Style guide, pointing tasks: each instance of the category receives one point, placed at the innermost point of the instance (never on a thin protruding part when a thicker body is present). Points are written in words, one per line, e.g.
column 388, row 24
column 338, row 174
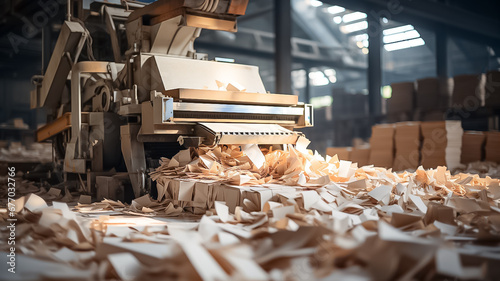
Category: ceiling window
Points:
column 402, row 37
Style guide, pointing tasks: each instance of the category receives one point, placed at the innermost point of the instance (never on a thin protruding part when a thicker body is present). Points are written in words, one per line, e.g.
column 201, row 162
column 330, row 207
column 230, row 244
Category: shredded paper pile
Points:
column 246, row 213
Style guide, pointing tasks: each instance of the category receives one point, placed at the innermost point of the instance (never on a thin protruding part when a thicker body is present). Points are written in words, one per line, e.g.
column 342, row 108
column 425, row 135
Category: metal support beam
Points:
column 46, row 46
column 307, row 98
column 374, row 67
column 442, row 65
column 269, row 54
column 283, row 46
column 442, row 53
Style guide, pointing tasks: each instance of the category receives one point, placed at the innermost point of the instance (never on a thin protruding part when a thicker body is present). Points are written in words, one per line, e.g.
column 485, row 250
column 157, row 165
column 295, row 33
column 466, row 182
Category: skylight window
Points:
column 318, row 78
column 331, row 74
column 315, row 3
column 322, row 78
column 398, row 29
column 321, row 101
column 354, row 27
column 404, row 44
column 361, row 41
column 299, row 78
column 335, row 10
column 361, row 37
column 353, row 17
column 402, row 37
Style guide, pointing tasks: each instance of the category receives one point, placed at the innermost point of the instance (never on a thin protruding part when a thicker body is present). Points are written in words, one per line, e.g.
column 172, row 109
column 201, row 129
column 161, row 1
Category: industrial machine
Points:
column 125, row 85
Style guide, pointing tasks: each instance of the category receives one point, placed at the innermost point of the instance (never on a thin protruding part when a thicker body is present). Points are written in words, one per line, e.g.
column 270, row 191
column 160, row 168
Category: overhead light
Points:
column 315, row 3
column 401, row 36
column 335, row 9
column 385, row 20
column 353, row 16
column 354, row 27
column 404, row 44
column 337, row 19
column 398, row 29
column 364, row 51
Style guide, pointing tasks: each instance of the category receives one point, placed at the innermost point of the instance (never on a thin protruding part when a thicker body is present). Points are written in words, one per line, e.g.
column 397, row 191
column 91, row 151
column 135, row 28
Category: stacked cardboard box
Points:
column 442, row 144
column 348, row 104
column 400, row 105
column 382, row 145
column 343, row 153
column 468, row 90
column 428, row 94
column 359, row 142
column 407, row 144
column 472, row 146
column 360, row 155
column 492, row 148
column 435, row 115
column 492, row 89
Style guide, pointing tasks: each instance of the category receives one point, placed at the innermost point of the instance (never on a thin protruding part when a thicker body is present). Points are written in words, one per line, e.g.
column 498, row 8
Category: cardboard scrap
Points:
column 221, row 217
column 126, row 265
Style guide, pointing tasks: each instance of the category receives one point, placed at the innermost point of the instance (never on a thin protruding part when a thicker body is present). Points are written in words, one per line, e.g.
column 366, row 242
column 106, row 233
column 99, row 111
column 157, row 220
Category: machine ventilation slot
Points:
column 257, row 133
column 211, row 115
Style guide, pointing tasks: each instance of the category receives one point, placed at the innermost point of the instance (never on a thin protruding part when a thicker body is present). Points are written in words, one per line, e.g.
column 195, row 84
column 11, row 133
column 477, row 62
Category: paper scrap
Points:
column 35, row 203
column 126, row 265
column 253, row 152
column 85, row 199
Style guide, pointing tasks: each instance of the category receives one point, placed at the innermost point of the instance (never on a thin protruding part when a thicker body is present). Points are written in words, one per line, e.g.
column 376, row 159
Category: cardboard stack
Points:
column 400, row 105
column 492, row 148
column 348, row 104
column 359, row 142
column 442, row 144
column 343, row 153
column 432, row 98
column 468, row 90
column 472, row 146
column 492, row 89
column 360, row 155
column 428, row 94
column 407, row 144
column 382, row 145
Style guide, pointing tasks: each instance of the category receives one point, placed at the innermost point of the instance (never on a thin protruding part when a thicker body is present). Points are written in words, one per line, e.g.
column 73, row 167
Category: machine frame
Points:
column 158, row 90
